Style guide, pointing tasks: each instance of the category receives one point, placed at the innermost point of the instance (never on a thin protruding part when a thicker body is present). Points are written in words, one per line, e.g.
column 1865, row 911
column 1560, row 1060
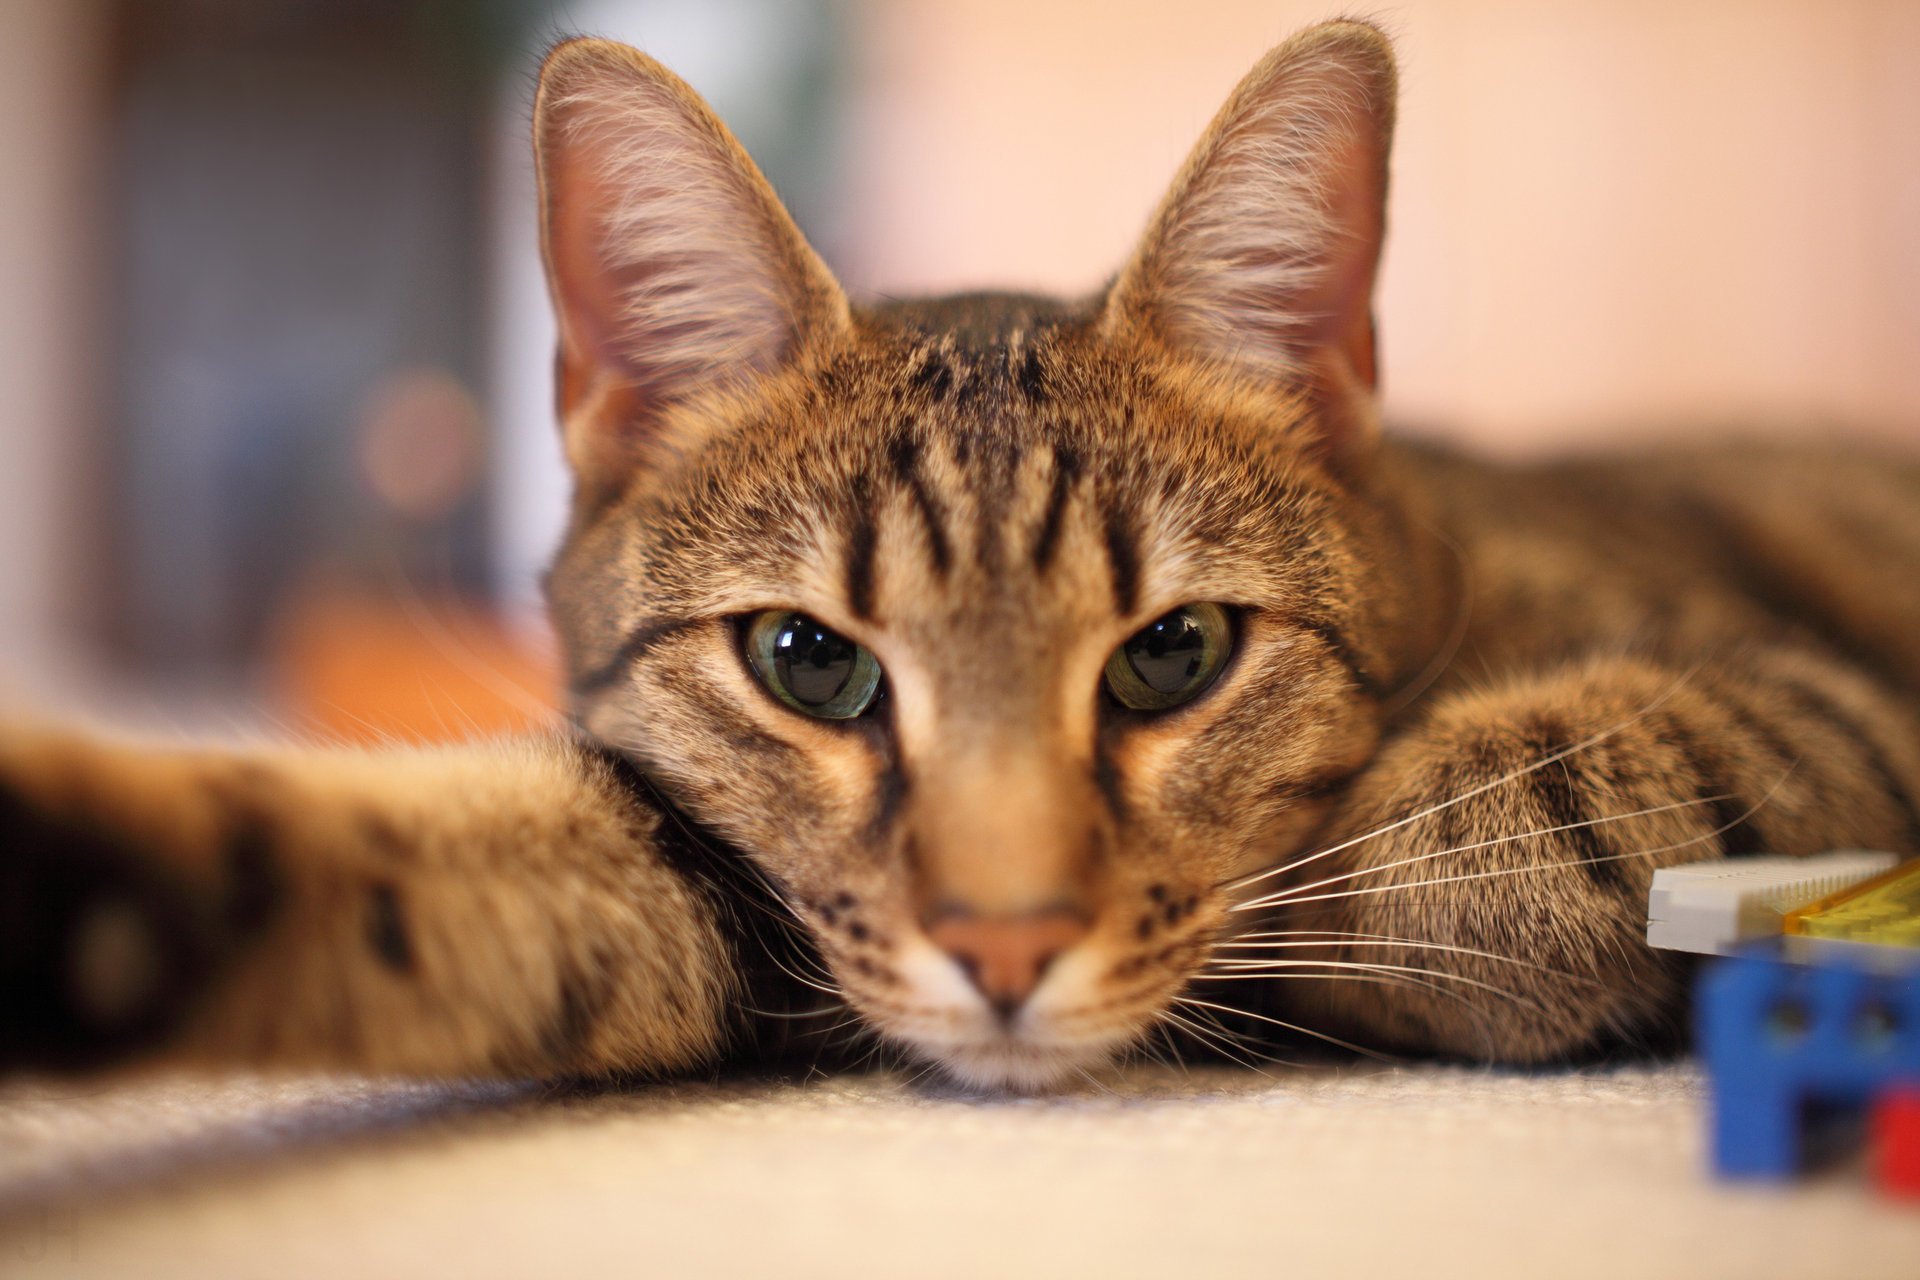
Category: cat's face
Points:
column 1003, row 634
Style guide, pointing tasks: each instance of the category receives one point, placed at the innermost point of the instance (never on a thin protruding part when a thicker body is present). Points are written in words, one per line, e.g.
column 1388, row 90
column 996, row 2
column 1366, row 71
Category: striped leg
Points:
column 512, row 907
column 1544, row 805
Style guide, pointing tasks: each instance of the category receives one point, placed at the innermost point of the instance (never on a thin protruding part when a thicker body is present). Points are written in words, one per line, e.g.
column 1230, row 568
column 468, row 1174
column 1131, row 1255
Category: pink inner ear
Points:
column 1263, row 255
column 604, row 399
column 1344, row 301
column 673, row 268
column 1277, row 266
column 666, row 276
column 587, row 298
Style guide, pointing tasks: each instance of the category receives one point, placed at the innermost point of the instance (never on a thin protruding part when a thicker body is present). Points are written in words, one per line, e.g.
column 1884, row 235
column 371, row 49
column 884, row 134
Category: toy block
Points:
column 1896, row 1142
column 1784, row 1040
column 1716, row 905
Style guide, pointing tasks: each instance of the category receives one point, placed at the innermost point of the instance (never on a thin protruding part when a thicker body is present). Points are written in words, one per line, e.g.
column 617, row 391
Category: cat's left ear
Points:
column 1262, row 255
column 675, row 271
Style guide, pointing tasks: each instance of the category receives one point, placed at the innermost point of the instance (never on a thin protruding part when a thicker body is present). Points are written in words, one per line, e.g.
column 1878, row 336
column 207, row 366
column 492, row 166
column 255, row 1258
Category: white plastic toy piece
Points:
column 1715, row 906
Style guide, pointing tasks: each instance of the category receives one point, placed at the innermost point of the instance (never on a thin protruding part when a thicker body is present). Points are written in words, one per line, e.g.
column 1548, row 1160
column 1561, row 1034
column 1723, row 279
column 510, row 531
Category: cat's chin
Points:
column 1011, row 1065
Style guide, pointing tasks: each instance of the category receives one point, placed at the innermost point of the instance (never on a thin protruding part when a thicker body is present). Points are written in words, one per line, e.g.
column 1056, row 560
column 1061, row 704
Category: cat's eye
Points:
column 810, row 666
column 1171, row 659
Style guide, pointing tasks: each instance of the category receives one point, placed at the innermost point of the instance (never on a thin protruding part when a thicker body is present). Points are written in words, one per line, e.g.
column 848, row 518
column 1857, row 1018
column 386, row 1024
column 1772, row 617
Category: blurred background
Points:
column 276, row 445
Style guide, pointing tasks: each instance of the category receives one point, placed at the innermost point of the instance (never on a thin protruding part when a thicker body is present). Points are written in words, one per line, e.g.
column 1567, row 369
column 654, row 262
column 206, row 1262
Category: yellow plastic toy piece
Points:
column 1884, row 911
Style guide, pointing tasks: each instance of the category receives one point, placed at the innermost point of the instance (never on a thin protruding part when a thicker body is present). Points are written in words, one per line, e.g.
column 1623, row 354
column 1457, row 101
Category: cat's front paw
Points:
column 102, row 952
column 1489, row 895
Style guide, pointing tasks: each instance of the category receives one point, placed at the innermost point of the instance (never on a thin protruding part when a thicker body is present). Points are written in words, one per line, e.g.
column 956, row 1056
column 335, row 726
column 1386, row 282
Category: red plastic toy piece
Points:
column 1896, row 1142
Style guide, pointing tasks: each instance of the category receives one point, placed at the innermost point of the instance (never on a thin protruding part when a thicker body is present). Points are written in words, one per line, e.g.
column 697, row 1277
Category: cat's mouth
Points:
column 1064, row 1030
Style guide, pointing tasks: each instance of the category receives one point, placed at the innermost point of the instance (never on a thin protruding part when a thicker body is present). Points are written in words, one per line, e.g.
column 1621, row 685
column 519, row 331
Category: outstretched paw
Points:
column 102, row 952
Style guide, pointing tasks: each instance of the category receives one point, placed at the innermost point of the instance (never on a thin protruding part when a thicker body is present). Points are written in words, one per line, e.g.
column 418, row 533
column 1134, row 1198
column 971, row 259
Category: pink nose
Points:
column 1005, row 956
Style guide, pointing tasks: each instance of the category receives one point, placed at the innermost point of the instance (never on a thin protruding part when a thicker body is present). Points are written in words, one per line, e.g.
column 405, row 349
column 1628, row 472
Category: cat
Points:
column 1030, row 677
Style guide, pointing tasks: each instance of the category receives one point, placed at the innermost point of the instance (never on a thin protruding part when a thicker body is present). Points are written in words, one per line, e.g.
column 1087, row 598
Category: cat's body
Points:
column 1437, row 721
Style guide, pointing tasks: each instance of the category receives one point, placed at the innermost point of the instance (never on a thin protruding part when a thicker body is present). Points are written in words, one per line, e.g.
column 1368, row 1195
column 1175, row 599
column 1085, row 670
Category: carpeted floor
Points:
column 1338, row 1171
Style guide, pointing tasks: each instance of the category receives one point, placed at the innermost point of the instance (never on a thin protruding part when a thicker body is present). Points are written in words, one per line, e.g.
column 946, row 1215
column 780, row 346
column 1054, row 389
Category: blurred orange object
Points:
column 354, row 666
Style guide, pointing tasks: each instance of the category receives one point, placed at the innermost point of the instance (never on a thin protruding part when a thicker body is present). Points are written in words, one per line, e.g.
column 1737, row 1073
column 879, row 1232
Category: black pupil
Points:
column 1167, row 654
column 813, row 662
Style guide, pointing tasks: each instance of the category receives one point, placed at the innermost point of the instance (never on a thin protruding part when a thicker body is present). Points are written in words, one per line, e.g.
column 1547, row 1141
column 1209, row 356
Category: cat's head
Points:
column 1001, row 632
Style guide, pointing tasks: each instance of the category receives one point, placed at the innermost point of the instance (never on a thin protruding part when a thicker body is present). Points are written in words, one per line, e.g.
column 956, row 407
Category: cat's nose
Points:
column 1003, row 955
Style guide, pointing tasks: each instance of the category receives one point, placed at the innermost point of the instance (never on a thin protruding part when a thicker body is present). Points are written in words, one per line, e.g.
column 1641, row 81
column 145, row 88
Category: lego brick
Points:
column 1781, row 1040
column 1716, row 905
column 1882, row 958
column 1896, row 1142
column 1884, row 911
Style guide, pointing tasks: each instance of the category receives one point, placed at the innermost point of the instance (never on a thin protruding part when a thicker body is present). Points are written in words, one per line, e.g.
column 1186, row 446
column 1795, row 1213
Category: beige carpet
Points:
column 1410, row 1171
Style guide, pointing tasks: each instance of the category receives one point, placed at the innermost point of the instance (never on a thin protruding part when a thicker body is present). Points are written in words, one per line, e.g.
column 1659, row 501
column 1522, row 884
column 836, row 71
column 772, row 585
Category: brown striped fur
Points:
column 1532, row 686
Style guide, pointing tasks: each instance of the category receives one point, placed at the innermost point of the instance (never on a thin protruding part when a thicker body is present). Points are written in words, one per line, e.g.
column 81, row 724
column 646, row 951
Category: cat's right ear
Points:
column 1261, row 258
column 674, row 269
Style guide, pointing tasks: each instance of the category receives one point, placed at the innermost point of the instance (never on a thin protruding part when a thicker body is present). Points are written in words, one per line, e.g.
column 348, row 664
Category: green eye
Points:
column 811, row 667
column 1171, row 659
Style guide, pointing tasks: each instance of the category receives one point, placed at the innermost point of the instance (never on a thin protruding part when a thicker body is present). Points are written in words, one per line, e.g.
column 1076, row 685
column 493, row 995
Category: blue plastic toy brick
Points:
column 1784, row 1040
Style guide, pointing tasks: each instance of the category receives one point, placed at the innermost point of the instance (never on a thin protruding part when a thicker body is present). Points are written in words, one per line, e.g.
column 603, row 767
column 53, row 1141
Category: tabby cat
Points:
column 1031, row 677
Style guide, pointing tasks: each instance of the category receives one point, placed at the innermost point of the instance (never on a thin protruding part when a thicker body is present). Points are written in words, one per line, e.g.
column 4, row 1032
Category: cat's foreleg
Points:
column 497, row 908
column 1488, row 895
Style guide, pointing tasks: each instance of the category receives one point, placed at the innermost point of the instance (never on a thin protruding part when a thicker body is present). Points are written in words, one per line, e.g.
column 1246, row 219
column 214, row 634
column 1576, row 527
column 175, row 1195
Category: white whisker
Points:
column 1583, row 745
column 1256, row 968
column 1714, row 834
column 1159, row 1032
column 1282, row 896
column 1087, row 1075
column 1288, row 1026
column 1262, row 942
column 1480, row 1016
column 1220, row 1042
column 821, row 1012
